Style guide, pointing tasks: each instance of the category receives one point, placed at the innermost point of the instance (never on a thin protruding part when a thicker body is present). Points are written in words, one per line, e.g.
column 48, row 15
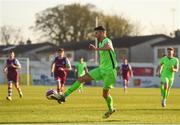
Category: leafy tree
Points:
column 81, row 19
column 66, row 23
column 75, row 22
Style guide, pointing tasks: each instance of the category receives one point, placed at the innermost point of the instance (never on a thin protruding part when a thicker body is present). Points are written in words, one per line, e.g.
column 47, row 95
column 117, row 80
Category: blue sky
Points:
column 154, row 16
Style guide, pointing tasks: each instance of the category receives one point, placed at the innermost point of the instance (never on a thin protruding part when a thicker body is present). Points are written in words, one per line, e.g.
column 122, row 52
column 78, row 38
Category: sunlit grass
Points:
column 139, row 105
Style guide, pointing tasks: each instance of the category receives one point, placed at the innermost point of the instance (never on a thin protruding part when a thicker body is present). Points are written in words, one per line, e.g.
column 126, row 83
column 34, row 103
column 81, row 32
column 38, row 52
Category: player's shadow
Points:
column 117, row 121
column 162, row 109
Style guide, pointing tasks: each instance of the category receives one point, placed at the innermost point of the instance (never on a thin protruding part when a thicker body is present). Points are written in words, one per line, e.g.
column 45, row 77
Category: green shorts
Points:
column 166, row 79
column 107, row 76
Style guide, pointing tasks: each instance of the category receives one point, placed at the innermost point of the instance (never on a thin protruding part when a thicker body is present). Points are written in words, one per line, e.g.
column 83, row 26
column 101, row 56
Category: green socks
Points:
column 165, row 94
column 72, row 88
column 109, row 102
column 77, row 84
column 162, row 90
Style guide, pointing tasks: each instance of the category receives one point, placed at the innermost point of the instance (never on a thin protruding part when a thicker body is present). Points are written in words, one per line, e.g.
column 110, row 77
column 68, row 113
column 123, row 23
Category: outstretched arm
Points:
column 5, row 69
column 16, row 66
column 158, row 70
column 105, row 48
column 52, row 68
column 131, row 71
column 86, row 69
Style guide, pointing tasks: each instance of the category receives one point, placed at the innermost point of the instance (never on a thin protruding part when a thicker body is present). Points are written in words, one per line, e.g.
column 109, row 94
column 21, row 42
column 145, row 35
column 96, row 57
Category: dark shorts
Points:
column 126, row 77
column 13, row 77
column 60, row 76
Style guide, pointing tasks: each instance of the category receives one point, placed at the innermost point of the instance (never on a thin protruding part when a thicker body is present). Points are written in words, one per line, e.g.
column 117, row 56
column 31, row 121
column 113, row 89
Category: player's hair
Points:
column 124, row 58
column 60, row 49
column 170, row 48
column 11, row 51
column 99, row 28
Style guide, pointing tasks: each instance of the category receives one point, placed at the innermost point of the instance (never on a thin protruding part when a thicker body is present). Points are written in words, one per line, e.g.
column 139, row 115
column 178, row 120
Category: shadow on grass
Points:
column 160, row 109
column 73, row 122
column 163, row 109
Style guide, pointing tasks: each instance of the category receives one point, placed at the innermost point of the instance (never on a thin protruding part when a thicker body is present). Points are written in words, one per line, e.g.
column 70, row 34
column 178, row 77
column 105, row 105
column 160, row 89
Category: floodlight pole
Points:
column 96, row 43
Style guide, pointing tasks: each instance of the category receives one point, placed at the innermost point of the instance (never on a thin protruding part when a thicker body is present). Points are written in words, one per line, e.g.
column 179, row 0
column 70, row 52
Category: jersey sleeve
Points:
column 68, row 64
column 107, row 41
column 161, row 61
column 17, row 62
column 177, row 62
column 54, row 60
column 85, row 65
column 130, row 68
column 76, row 64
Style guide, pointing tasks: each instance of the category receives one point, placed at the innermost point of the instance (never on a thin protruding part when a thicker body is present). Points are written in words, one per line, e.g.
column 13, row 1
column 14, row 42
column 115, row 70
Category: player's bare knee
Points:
column 105, row 96
column 81, row 79
column 166, row 86
column 84, row 78
column 17, row 86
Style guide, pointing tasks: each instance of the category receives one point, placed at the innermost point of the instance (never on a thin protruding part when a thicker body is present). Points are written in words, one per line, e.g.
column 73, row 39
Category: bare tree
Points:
column 10, row 35
column 117, row 26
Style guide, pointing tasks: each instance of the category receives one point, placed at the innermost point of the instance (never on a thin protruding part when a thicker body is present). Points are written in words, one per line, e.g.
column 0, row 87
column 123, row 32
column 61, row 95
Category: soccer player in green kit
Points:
column 167, row 67
column 106, row 71
column 80, row 70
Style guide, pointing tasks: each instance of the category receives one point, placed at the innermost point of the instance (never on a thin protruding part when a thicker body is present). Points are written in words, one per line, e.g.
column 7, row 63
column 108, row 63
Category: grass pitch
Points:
column 139, row 105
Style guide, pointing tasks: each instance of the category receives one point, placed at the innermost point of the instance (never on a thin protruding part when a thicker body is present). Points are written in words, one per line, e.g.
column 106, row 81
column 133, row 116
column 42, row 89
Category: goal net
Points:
column 24, row 71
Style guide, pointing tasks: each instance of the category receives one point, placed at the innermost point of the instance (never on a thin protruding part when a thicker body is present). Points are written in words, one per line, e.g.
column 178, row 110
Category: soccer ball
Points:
column 50, row 93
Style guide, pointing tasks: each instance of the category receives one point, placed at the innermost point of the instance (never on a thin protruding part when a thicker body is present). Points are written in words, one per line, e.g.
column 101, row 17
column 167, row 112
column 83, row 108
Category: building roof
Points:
column 25, row 48
column 135, row 40
column 124, row 42
column 170, row 41
column 76, row 45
